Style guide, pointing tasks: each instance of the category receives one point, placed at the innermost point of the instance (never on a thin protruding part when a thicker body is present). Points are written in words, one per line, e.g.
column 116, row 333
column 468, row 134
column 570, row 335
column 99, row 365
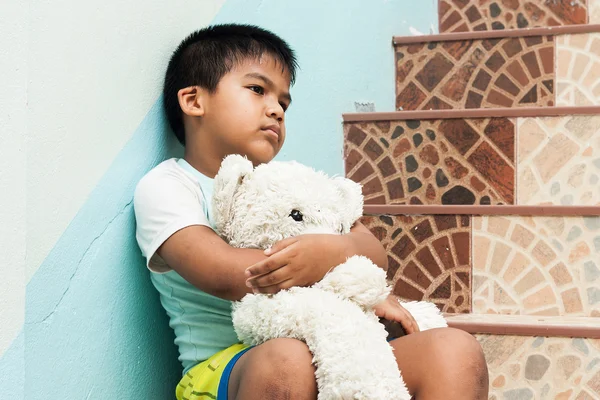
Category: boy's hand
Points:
column 298, row 261
column 392, row 310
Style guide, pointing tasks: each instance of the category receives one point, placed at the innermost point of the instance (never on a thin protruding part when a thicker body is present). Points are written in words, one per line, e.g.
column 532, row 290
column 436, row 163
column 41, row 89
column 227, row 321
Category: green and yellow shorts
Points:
column 210, row 378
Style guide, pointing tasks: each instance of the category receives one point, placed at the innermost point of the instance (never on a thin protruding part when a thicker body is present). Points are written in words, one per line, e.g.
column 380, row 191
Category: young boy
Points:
column 226, row 91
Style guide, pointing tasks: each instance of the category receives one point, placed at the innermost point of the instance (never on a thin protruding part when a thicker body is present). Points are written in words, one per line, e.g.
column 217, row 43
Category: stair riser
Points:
column 544, row 71
column 524, row 367
column 524, row 161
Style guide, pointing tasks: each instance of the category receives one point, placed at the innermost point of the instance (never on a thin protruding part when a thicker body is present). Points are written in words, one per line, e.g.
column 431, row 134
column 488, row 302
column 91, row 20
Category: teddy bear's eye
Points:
column 296, row 215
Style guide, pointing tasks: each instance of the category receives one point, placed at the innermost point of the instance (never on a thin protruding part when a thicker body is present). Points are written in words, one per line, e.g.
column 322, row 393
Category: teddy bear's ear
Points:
column 351, row 204
column 227, row 181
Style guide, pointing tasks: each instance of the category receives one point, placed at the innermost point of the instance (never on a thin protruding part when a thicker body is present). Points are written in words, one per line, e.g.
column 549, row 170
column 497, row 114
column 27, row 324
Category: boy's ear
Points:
column 228, row 180
column 351, row 201
column 191, row 100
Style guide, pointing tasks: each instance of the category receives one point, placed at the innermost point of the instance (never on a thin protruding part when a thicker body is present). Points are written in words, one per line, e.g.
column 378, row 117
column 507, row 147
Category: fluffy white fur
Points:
column 353, row 360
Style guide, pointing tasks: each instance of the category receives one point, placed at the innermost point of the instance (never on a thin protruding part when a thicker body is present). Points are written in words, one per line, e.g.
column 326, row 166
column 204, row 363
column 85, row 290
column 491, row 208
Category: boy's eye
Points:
column 257, row 89
column 284, row 106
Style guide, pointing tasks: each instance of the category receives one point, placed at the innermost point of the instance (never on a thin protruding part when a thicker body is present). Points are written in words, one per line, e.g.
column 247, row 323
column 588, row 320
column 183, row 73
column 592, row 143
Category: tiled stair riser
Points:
column 429, row 257
column 489, row 73
column 535, row 71
column 578, row 69
column 523, row 367
column 482, row 15
column 536, row 265
column 558, row 160
column 499, row 265
column 432, row 161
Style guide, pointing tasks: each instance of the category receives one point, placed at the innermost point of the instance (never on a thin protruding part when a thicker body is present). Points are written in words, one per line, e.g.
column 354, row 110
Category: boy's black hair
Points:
column 206, row 55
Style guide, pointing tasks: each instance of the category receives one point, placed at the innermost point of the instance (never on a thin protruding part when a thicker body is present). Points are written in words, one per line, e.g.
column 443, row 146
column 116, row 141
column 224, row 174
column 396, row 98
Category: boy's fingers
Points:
column 282, row 244
column 408, row 321
column 270, row 279
column 267, row 265
column 275, row 288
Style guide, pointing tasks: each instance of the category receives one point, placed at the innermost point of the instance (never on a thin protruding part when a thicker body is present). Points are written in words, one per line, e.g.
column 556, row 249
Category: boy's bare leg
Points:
column 280, row 369
column 437, row 364
column 442, row 364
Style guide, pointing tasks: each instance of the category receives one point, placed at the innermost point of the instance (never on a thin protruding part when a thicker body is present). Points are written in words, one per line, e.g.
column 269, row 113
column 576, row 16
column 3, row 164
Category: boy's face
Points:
column 246, row 113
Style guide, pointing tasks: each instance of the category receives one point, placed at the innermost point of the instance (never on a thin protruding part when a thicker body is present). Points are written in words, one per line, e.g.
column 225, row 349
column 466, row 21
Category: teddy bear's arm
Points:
column 358, row 280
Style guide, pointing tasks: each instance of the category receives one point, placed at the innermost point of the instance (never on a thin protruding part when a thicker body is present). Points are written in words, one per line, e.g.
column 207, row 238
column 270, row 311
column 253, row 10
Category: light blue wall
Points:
column 94, row 328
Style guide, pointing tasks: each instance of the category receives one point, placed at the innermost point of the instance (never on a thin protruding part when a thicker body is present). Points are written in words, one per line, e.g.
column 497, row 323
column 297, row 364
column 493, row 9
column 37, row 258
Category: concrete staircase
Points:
column 484, row 186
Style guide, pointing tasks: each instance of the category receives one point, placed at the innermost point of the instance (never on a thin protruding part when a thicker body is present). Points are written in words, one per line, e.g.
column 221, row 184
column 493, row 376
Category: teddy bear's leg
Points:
column 352, row 357
column 427, row 315
column 357, row 280
column 258, row 317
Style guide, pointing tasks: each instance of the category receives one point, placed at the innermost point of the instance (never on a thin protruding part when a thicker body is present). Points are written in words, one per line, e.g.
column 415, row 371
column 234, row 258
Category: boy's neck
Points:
column 202, row 163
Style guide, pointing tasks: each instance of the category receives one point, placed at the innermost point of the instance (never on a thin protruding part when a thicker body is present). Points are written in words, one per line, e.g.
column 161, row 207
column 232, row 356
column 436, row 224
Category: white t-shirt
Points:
column 170, row 197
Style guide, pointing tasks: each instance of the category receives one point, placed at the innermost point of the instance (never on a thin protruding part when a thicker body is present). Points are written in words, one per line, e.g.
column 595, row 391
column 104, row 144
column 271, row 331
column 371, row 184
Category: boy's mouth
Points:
column 273, row 130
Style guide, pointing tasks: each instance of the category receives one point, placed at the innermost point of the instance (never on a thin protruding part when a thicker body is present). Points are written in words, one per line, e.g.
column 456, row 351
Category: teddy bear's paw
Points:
column 358, row 280
column 427, row 315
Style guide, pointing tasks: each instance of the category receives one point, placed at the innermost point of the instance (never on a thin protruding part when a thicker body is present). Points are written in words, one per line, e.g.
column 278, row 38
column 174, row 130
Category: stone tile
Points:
column 578, row 69
column 559, row 160
column 429, row 257
column 536, row 266
column 432, row 161
column 460, row 15
column 594, row 11
column 509, row 72
column 523, row 367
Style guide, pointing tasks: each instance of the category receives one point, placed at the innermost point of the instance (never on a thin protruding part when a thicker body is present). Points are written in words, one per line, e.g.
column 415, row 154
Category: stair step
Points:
column 459, row 16
column 486, row 156
column 540, row 266
column 527, row 325
column 538, row 67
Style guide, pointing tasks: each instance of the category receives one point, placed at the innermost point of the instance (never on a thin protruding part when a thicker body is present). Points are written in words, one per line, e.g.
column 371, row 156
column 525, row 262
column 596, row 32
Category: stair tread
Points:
column 529, row 325
column 496, row 34
column 523, row 112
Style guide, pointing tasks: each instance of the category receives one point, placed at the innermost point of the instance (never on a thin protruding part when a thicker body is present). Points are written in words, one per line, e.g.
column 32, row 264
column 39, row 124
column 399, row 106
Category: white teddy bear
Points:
column 255, row 208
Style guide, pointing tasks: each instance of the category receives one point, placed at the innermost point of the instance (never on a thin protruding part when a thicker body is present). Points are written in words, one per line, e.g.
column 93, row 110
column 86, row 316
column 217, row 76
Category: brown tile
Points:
column 437, row 267
column 512, row 47
column 476, row 74
column 459, row 133
column 482, row 80
column 457, row 49
column 427, row 162
column 410, row 98
column 501, row 132
column 434, row 71
column 515, row 69
column 509, row 14
column 495, row 169
column 495, row 62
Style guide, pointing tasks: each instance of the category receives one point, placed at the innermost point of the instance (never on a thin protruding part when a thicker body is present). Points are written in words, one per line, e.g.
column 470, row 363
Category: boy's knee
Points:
column 461, row 354
column 284, row 370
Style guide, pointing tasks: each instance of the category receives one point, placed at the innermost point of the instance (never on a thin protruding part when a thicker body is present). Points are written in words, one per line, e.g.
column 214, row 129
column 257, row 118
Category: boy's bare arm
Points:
column 364, row 243
column 205, row 260
column 305, row 259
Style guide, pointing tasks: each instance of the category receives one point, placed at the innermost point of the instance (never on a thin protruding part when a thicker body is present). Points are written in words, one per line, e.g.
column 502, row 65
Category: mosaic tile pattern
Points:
column 536, row 266
column 594, row 6
column 483, row 15
column 508, row 72
column 524, row 367
column 578, row 70
column 432, row 161
column 428, row 257
column 559, row 160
